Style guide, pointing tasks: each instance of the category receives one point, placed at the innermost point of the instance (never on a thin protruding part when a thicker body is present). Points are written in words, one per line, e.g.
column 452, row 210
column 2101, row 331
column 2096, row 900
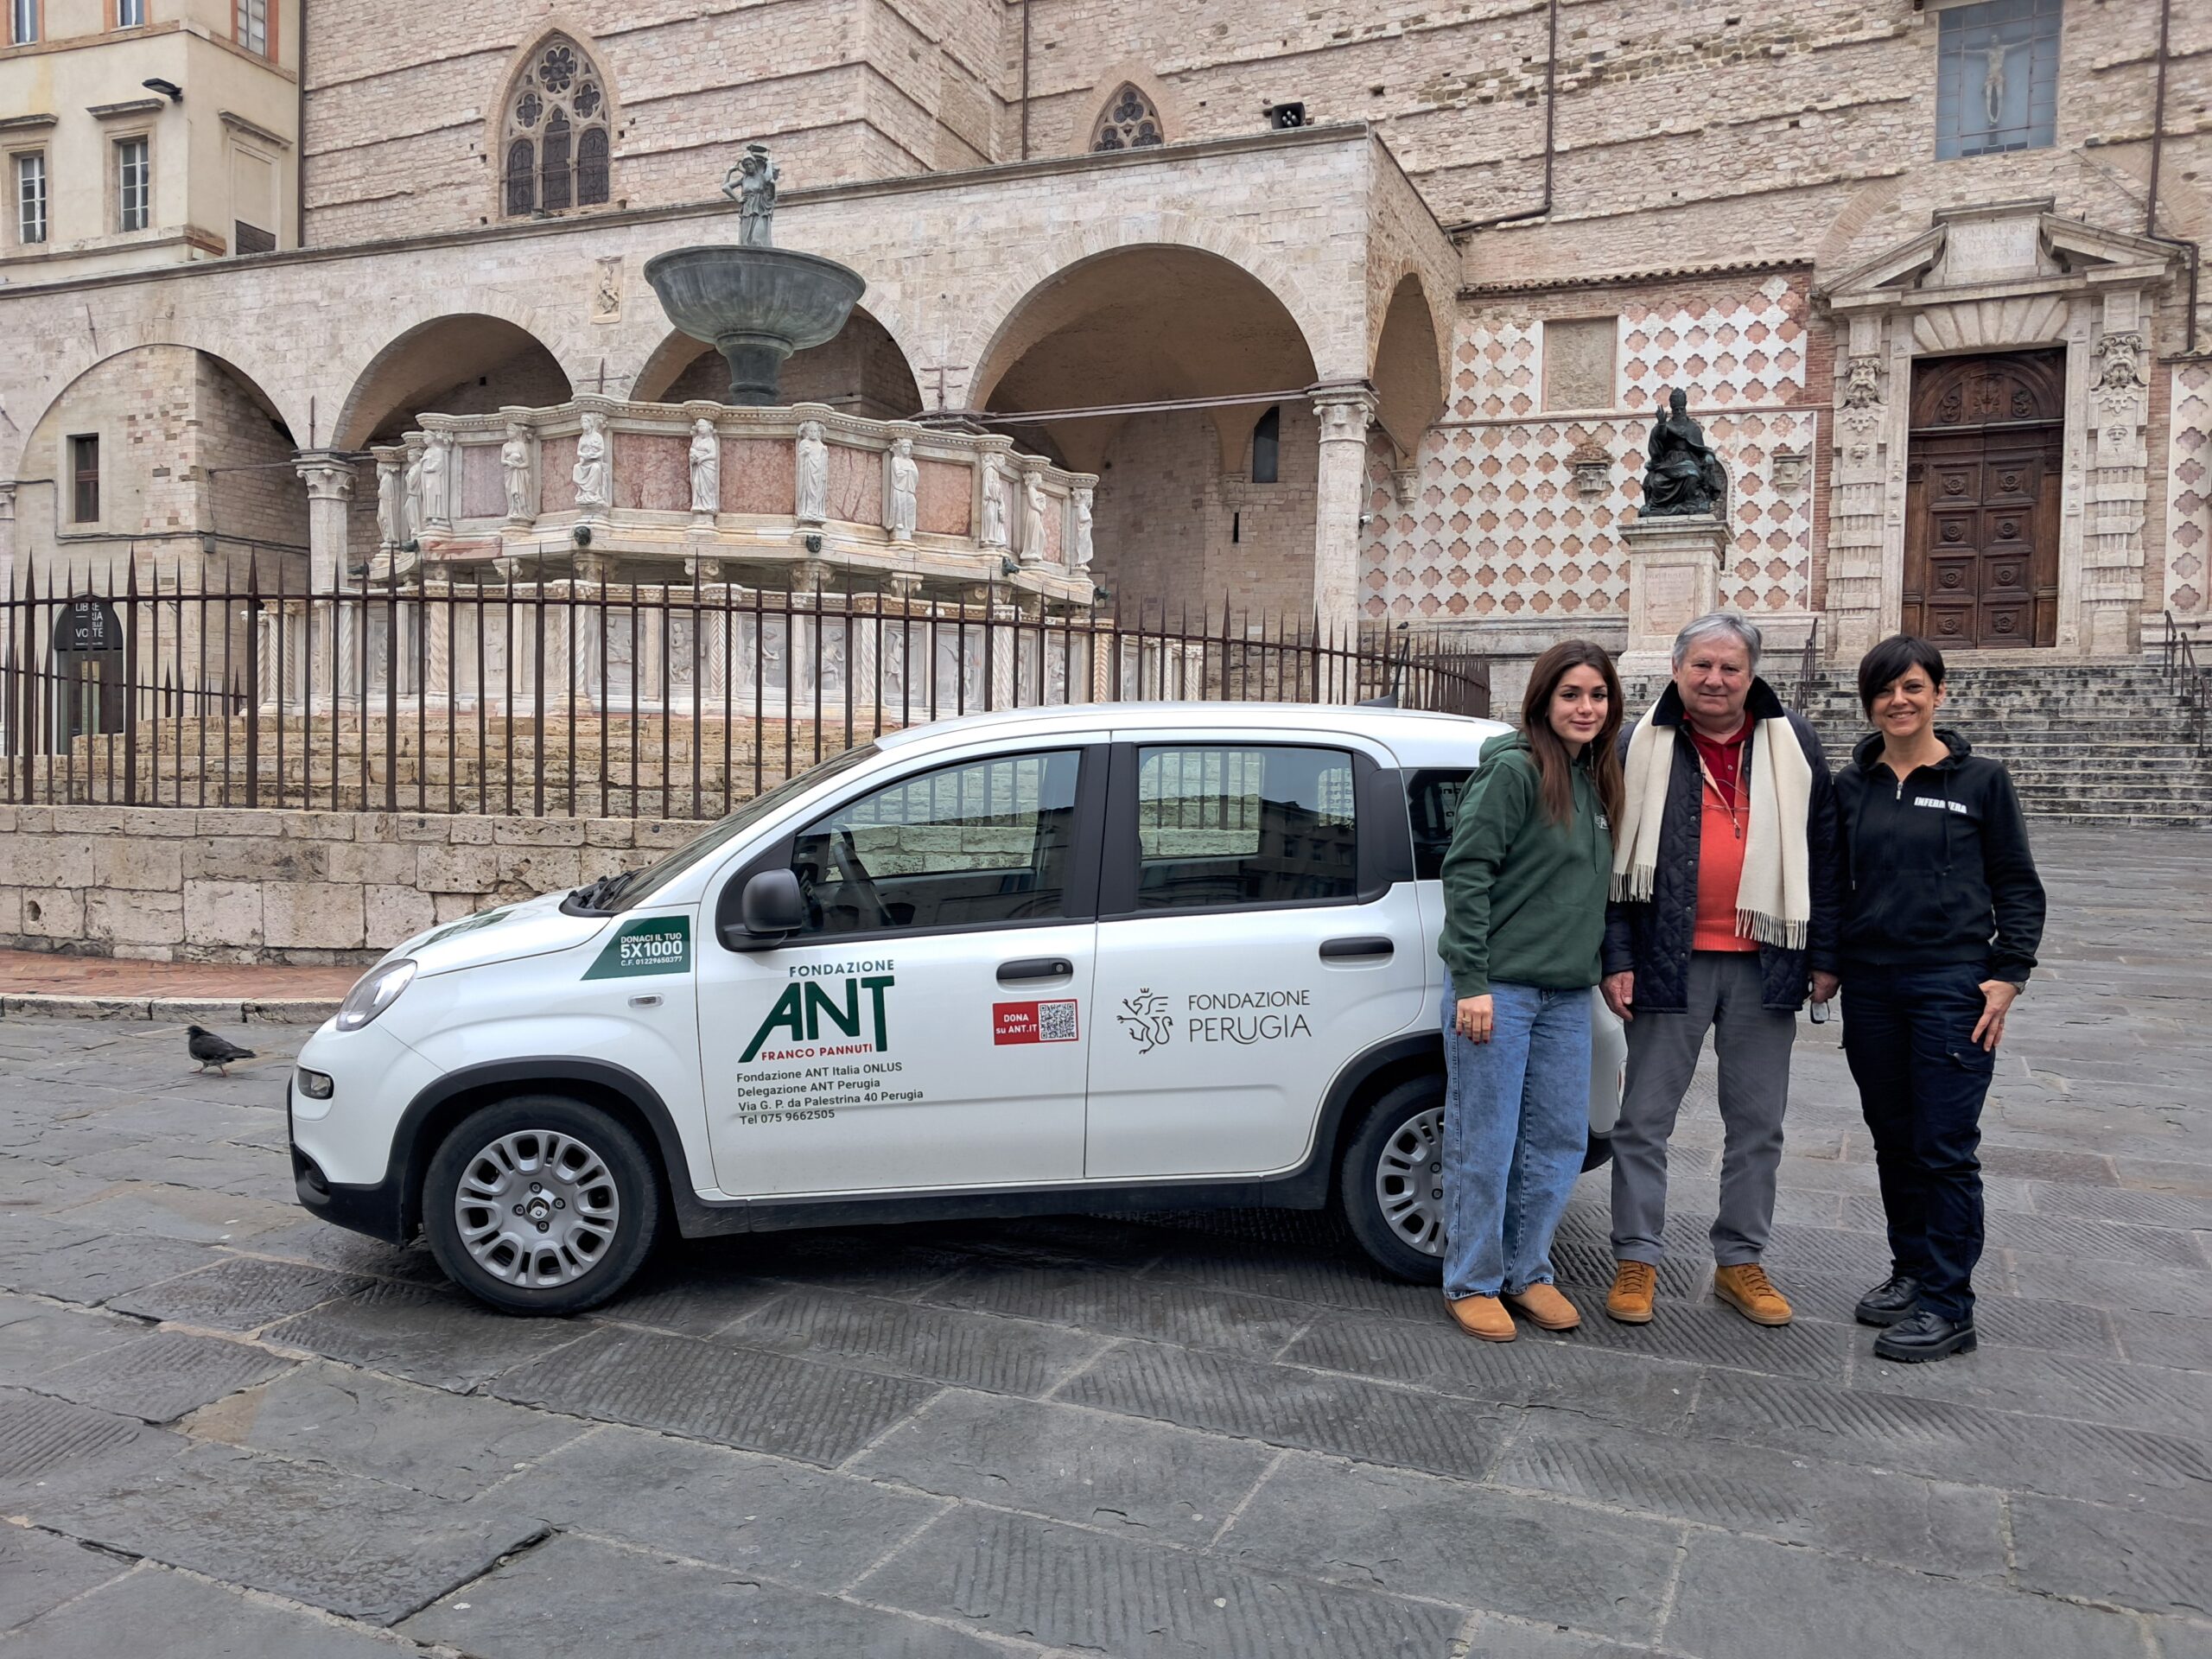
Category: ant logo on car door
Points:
column 1146, row 1020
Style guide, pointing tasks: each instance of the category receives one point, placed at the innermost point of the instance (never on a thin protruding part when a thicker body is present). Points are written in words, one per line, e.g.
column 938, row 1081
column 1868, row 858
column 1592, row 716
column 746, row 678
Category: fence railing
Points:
column 582, row 699
column 2190, row 682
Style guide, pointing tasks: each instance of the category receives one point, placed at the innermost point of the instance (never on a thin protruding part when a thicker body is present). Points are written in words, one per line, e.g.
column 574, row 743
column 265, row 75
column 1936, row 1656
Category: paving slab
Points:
column 38, row 1336
column 978, row 1350
column 1068, row 1587
column 1114, row 1473
column 155, row 1610
column 164, row 1375
column 2094, row 1552
column 40, row 1434
column 1194, row 1316
column 422, row 1333
column 355, row 1546
column 1289, row 1405
column 1418, row 1535
column 1814, row 1605
column 762, row 1515
column 707, row 1391
column 238, row 1294
column 75, row 1265
column 450, row 1446
column 2058, row 1385
column 39, row 1571
column 535, row 1607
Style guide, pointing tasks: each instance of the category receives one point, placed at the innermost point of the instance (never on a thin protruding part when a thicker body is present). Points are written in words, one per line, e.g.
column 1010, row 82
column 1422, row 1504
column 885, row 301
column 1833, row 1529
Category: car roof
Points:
column 1416, row 736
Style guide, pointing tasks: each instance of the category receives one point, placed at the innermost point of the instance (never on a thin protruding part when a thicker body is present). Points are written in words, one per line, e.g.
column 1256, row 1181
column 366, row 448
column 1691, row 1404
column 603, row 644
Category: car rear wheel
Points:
column 541, row 1205
column 1391, row 1182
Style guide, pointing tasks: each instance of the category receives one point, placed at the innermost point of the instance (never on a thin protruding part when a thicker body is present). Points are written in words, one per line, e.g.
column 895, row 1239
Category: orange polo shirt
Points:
column 1723, row 815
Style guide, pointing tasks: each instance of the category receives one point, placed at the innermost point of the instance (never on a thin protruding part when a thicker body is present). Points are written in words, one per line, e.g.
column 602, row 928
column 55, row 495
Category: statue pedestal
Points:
column 1674, row 577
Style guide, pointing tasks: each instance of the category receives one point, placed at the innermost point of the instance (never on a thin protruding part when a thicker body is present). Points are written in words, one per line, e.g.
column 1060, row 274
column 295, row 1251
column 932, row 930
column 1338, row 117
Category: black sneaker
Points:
column 1892, row 1299
column 1925, row 1334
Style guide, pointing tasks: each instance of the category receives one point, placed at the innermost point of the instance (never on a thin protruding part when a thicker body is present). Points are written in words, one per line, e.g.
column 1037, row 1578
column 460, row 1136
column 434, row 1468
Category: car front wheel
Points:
column 541, row 1205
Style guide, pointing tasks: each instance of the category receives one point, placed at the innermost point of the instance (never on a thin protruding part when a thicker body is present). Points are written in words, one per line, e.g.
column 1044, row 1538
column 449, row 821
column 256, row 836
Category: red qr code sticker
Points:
column 1033, row 1022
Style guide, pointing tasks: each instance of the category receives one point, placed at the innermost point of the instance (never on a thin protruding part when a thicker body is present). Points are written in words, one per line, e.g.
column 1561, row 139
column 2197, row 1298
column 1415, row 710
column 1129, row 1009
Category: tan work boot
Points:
column 1543, row 1306
column 1750, row 1291
column 1481, row 1316
column 1635, row 1284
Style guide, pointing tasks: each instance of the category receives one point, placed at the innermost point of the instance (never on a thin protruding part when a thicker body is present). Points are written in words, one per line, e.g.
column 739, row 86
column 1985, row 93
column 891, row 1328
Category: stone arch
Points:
column 446, row 350
column 559, row 29
column 1139, row 77
column 885, row 367
column 996, row 339
column 1408, row 369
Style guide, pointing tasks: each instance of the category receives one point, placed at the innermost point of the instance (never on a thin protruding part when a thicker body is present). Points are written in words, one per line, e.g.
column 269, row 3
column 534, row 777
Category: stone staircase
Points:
column 2093, row 743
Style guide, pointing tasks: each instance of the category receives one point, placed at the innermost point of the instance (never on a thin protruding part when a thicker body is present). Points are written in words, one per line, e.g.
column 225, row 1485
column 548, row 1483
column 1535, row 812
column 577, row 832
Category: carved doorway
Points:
column 1982, row 499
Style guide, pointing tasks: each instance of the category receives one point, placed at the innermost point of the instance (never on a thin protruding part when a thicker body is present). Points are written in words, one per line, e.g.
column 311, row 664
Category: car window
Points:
column 962, row 846
column 1432, row 802
column 1221, row 825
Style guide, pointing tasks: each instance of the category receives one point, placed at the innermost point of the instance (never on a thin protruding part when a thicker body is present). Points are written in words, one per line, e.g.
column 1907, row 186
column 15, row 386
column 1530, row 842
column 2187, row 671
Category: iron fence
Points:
column 2190, row 681
column 569, row 698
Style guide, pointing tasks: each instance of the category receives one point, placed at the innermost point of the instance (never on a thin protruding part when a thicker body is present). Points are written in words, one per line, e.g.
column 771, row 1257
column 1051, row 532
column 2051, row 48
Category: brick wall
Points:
column 208, row 886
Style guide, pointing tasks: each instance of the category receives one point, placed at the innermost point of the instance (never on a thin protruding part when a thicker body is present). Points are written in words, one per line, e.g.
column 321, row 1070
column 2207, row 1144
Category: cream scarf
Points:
column 1774, row 899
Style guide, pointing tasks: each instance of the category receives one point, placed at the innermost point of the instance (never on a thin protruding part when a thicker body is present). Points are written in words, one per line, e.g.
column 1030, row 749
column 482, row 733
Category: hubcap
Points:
column 1409, row 1181
column 536, row 1208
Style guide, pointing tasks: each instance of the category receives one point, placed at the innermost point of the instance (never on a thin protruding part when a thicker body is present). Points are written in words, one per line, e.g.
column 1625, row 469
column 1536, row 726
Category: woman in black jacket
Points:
column 1943, row 911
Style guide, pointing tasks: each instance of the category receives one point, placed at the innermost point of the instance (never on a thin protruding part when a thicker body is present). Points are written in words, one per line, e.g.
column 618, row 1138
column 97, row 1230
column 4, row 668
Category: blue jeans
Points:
column 1517, row 1120
column 1909, row 1035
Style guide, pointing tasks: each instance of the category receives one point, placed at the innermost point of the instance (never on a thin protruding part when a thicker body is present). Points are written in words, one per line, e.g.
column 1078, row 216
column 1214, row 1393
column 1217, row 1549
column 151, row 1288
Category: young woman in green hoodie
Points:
column 1525, row 885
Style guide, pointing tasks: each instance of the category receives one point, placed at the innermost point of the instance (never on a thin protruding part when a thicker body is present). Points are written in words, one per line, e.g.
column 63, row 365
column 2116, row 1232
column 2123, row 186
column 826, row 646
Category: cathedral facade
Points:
column 1360, row 315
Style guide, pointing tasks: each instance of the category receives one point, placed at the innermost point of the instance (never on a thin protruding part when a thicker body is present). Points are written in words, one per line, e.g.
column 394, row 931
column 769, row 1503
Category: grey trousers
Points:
column 1753, row 1044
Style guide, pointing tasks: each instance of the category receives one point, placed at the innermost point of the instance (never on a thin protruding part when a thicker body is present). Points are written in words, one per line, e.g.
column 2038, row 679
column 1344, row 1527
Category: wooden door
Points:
column 1983, row 479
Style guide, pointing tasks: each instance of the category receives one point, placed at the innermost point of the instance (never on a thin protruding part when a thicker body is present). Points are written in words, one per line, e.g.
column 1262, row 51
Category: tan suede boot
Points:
column 1752, row 1294
column 1481, row 1316
column 1635, row 1285
column 1543, row 1306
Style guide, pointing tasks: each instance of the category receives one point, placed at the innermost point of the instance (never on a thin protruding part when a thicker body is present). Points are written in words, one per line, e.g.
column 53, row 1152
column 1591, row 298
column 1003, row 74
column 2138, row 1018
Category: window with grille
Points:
column 134, row 183
column 557, row 143
column 1130, row 122
column 30, row 199
column 1996, row 78
column 129, row 14
column 85, row 479
column 22, row 22
column 250, row 26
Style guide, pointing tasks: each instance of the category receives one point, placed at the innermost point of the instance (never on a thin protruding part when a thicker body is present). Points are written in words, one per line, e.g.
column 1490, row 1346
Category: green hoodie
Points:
column 1524, row 899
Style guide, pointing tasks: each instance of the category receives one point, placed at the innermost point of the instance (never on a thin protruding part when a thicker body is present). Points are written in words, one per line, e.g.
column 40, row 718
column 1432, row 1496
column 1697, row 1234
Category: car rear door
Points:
column 1258, row 930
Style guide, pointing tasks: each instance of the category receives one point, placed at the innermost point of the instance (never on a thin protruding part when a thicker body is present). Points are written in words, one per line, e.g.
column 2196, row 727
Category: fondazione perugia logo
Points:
column 653, row 944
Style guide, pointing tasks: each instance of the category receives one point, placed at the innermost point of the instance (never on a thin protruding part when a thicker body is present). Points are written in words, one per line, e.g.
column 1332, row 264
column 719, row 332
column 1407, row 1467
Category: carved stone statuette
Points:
column 1079, row 554
column 410, row 525
column 752, row 185
column 1862, row 382
column 1032, row 517
column 392, row 500
column 906, row 492
column 437, row 481
column 994, row 503
column 813, row 474
column 514, row 467
column 592, row 475
column 1683, row 476
column 705, row 467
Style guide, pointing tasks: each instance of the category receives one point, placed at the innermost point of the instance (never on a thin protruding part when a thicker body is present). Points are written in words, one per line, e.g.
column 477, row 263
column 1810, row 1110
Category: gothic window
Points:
column 557, row 141
column 1267, row 447
column 1130, row 122
column 1996, row 78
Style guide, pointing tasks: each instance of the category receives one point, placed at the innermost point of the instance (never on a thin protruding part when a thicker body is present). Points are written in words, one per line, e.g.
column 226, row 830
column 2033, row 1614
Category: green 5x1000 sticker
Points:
column 654, row 944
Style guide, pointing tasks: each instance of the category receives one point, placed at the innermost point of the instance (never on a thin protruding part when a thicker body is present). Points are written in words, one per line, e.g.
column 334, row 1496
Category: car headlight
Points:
column 375, row 991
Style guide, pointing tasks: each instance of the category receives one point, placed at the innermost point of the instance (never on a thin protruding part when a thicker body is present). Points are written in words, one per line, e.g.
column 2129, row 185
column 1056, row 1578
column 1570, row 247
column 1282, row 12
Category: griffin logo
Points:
column 1144, row 1016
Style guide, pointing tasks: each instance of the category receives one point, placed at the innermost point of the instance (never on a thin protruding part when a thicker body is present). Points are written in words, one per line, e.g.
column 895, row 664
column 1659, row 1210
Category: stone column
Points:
column 329, row 477
column 1340, row 495
column 7, row 538
column 2112, row 552
column 1859, row 501
column 1674, row 577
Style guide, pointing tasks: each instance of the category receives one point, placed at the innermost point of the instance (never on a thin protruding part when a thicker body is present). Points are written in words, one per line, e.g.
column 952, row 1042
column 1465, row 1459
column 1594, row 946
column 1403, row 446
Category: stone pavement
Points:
column 228, row 1429
column 40, row 982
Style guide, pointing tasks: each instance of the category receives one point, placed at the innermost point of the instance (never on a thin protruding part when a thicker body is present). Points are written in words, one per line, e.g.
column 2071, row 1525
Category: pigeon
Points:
column 210, row 1050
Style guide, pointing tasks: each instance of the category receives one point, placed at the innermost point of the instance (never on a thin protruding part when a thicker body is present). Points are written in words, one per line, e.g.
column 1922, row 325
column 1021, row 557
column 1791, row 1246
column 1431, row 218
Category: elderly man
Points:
column 1723, row 901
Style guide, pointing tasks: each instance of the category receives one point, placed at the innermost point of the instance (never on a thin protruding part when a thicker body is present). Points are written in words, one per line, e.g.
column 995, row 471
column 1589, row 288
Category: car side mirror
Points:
column 771, row 906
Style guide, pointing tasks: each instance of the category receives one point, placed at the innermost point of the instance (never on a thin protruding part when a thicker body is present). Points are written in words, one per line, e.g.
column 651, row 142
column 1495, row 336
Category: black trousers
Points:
column 1922, row 1080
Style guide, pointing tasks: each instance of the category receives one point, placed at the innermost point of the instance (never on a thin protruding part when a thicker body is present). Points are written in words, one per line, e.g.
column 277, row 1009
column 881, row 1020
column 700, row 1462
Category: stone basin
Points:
column 756, row 306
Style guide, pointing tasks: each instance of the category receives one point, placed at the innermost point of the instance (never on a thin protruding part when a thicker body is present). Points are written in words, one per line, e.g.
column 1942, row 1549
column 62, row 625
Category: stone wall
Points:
column 229, row 886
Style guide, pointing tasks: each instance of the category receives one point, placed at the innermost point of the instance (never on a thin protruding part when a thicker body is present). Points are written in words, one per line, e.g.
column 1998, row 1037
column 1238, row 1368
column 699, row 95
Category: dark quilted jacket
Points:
column 1654, row 939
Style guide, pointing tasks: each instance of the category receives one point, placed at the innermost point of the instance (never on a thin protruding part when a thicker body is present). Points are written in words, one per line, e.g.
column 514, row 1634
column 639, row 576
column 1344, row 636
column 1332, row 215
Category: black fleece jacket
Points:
column 1653, row 940
column 1935, row 869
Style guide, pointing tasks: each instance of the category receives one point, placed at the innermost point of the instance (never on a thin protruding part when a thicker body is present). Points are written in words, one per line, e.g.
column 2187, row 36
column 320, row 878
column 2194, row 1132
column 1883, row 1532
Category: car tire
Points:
column 1397, row 1144
column 541, row 1205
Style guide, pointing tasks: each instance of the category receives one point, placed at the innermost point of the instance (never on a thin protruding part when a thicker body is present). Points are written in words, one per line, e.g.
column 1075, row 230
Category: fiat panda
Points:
column 1091, row 957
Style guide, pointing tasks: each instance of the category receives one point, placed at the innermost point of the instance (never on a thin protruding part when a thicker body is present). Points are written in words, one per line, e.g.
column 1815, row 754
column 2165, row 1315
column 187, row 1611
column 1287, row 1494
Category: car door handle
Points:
column 1366, row 945
column 1035, row 968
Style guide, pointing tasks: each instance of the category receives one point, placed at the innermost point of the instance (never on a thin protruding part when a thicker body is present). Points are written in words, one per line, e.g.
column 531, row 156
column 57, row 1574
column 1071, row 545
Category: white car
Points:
column 1092, row 957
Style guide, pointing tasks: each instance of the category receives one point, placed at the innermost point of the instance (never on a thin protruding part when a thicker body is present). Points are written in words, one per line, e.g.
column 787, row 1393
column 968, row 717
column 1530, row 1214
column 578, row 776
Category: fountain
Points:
column 756, row 303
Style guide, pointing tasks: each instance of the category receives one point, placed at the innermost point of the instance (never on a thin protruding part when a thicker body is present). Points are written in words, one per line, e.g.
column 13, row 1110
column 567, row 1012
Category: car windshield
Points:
column 638, row 890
